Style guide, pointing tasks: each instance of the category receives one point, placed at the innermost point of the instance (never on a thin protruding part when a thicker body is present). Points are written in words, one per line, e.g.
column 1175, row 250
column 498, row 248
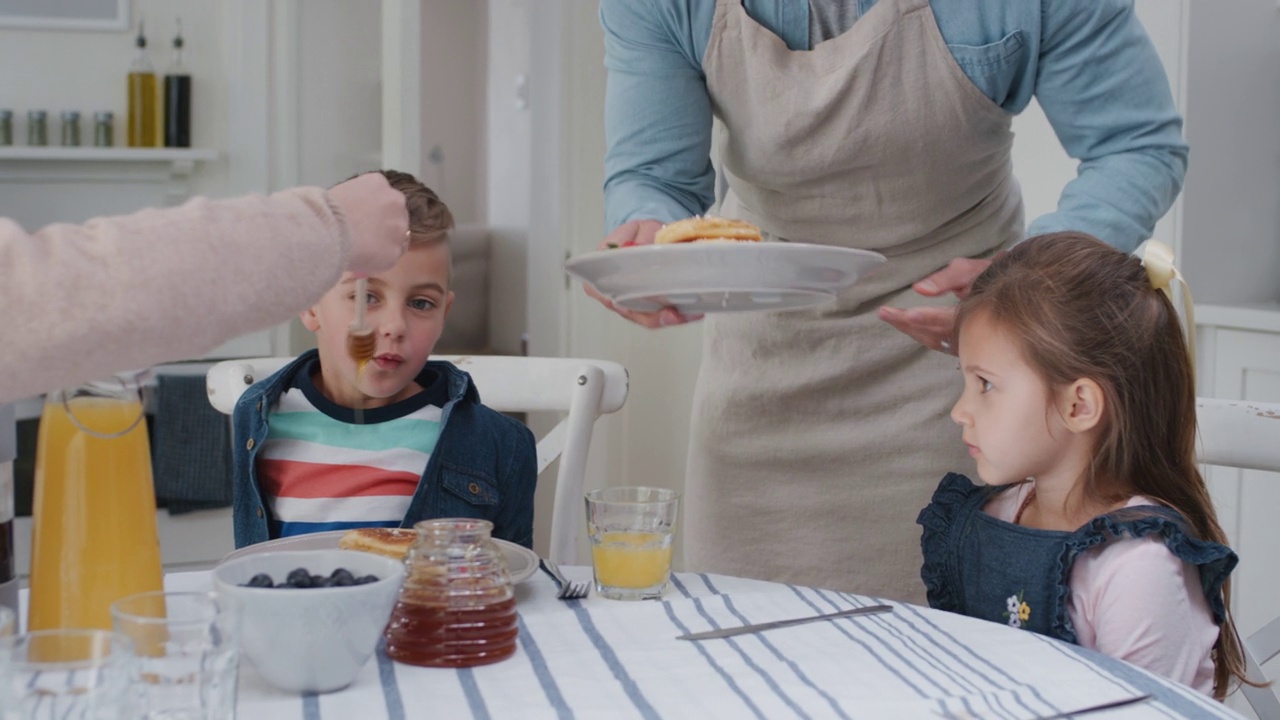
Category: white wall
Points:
column 87, row 71
column 1232, row 215
column 453, row 98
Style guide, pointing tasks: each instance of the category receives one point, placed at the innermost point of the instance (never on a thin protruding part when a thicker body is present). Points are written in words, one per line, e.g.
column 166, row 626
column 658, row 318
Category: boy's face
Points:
column 407, row 309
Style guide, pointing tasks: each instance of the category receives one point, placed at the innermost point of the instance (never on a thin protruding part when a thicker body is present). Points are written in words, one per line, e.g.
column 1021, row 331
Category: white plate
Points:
column 522, row 563
column 722, row 276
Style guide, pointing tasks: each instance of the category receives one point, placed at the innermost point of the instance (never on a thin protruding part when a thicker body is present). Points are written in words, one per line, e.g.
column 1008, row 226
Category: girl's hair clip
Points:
column 1157, row 260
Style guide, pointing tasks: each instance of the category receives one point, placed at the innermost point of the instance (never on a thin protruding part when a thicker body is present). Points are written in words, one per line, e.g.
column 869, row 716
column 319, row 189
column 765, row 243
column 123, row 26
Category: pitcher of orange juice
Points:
column 94, row 509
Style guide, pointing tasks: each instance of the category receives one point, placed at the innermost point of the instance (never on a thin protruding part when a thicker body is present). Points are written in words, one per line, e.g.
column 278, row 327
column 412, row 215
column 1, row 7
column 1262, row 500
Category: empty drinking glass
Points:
column 64, row 674
column 185, row 654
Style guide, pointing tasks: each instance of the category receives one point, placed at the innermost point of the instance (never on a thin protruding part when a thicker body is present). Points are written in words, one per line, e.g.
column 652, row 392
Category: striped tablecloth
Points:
column 597, row 658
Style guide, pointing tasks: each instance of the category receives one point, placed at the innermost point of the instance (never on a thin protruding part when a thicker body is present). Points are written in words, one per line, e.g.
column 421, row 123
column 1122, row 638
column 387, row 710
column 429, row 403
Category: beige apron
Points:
column 819, row 434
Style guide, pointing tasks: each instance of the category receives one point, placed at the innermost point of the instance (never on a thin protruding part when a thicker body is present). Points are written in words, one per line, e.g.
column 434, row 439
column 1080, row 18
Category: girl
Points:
column 1094, row 525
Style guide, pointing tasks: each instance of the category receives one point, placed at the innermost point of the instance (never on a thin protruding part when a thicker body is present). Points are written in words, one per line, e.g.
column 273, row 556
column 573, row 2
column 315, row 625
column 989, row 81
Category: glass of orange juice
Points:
column 631, row 529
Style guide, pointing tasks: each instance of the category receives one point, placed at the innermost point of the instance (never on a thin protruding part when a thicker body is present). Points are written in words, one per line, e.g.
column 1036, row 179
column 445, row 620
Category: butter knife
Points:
column 744, row 629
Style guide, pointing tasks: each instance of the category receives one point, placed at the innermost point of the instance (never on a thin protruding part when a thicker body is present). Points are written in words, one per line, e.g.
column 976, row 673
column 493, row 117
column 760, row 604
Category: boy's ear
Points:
column 1082, row 405
column 309, row 319
column 448, row 303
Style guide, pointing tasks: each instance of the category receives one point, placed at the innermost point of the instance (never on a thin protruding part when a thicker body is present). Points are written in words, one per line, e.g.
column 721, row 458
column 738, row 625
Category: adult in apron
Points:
column 818, row 434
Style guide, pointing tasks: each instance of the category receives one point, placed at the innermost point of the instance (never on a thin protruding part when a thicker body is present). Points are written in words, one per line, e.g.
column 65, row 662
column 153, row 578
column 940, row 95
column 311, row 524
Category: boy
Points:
column 326, row 445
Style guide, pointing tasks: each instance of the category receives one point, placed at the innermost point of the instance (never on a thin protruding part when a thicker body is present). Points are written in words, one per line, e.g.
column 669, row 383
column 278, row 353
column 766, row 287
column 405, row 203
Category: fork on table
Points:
column 568, row 590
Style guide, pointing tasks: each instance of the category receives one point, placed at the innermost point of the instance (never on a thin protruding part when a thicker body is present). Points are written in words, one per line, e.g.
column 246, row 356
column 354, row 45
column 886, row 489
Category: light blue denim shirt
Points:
column 1089, row 63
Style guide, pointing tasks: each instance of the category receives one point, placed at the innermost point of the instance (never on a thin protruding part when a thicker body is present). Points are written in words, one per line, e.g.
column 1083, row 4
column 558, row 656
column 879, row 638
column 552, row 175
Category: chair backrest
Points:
column 1243, row 434
column 582, row 389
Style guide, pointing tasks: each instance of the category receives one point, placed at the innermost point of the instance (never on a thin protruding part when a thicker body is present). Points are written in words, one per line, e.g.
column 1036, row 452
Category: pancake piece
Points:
column 391, row 542
column 700, row 228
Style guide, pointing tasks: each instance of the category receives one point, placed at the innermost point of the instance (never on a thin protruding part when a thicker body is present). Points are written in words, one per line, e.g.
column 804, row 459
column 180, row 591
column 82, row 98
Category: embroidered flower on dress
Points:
column 1018, row 612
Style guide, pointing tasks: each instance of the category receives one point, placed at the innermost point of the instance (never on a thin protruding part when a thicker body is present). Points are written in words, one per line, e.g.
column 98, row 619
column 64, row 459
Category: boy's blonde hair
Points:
column 429, row 218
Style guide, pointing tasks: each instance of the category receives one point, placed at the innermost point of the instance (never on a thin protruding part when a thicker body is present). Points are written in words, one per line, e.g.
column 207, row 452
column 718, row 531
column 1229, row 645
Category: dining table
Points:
column 601, row 658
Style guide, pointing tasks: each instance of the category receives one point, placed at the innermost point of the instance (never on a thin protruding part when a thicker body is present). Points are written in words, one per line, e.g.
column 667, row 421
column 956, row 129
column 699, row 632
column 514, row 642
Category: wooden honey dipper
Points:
column 361, row 342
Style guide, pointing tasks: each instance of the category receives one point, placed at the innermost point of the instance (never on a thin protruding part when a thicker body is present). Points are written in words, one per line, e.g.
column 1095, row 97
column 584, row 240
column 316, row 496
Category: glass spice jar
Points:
column 37, row 129
column 70, row 128
column 456, row 607
column 103, row 129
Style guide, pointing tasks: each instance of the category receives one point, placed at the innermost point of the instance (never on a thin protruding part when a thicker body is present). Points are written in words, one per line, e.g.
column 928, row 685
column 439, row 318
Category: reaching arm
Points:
column 83, row 301
column 657, row 116
column 1105, row 93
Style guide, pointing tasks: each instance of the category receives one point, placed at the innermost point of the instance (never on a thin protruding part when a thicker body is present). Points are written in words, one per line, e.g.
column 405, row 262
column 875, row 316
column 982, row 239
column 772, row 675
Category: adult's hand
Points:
column 378, row 218
column 933, row 326
column 638, row 232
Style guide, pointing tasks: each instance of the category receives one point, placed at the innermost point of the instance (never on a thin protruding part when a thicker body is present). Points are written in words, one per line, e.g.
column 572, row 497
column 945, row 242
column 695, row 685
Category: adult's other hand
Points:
column 638, row 232
column 378, row 218
column 933, row 326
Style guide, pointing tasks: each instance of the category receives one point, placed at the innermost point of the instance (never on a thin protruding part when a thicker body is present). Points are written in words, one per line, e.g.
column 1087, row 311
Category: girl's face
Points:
column 407, row 309
column 1011, row 426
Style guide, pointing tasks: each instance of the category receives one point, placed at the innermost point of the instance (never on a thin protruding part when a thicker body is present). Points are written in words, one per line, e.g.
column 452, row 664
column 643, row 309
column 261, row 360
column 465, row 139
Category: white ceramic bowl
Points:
column 311, row 639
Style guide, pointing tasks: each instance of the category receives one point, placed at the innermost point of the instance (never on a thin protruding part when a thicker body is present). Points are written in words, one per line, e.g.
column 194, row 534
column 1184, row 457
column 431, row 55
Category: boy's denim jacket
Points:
column 484, row 465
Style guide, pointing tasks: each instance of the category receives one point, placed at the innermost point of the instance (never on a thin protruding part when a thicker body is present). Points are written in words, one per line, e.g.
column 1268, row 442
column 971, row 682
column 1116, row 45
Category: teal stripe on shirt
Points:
column 316, row 427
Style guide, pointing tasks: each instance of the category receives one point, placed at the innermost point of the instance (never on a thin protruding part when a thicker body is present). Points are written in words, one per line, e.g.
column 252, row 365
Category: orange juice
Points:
column 94, row 514
column 631, row 559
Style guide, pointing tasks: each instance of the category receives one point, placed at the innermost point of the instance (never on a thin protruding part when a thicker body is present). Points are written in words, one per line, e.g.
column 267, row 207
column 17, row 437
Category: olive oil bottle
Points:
column 177, row 98
column 144, row 112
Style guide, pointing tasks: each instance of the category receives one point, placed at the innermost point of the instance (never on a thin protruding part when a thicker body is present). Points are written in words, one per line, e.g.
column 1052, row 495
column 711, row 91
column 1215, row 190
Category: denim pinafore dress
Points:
column 984, row 567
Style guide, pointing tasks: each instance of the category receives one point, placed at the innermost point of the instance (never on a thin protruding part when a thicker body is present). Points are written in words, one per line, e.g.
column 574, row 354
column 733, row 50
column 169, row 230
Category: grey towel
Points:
column 191, row 455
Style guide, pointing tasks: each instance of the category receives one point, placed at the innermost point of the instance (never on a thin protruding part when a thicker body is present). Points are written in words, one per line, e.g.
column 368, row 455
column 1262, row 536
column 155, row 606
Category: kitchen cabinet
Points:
column 1238, row 358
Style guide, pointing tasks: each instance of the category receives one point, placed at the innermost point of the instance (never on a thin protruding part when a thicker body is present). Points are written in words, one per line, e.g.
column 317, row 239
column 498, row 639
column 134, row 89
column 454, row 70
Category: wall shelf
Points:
column 107, row 154
column 169, row 167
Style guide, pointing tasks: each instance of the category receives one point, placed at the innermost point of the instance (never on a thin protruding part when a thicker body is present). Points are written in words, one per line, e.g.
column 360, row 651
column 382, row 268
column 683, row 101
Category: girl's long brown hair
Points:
column 1083, row 309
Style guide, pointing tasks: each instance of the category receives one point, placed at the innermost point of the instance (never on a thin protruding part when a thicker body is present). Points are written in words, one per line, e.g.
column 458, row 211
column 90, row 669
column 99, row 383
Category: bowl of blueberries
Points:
column 311, row 618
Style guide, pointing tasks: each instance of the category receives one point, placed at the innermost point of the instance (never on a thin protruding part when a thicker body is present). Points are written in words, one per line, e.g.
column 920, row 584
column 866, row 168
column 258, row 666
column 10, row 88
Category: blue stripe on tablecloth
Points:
column 884, row 621
column 310, row 706
column 728, row 603
column 1190, row 703
column 471, row 691
column 541, row 671
column 912, row 610
column 768, row 679
column 611, row 660
column 702, row 650
column 680, row 586
column 387, row 677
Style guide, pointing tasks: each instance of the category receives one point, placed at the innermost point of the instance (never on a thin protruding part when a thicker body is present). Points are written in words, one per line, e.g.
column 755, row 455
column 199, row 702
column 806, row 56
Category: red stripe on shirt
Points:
column 291, row 478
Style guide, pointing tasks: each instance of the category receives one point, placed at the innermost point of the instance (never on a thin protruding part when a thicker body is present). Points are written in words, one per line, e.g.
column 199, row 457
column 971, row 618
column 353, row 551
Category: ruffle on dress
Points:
column 940, row 577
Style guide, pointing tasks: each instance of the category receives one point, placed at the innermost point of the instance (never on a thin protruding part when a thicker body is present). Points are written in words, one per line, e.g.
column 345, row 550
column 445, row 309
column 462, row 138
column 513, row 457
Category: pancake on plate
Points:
column 391, row 542
column 706, row 228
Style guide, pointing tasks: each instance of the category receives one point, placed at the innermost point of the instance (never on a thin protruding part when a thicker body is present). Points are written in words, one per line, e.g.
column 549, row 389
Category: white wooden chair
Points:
column 582, row 389
column 1244, row 434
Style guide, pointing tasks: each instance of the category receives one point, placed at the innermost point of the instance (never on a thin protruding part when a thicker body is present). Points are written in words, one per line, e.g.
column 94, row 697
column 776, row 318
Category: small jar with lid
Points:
column 6, row 127
column 70, row 128
column 37, row 128
column 103, row 129
column 456, row 607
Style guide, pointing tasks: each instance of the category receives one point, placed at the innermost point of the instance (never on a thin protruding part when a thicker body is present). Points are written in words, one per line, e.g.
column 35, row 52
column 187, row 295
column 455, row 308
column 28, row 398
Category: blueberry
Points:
column 319, row 581
column 261, row 580
column 342, row 577
column 299, row 578
column 366, row 580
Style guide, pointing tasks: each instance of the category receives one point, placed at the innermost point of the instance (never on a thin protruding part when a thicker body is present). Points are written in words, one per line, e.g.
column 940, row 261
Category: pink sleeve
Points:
column 1135, row 600
column 78, row 302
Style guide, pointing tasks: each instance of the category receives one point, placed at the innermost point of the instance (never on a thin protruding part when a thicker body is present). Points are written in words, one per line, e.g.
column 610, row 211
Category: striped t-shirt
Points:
column 320, row 470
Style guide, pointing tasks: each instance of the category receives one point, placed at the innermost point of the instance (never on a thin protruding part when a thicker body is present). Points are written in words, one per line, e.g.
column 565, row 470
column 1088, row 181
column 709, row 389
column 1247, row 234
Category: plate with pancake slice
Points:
column 704, row 265
column 522, row 562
